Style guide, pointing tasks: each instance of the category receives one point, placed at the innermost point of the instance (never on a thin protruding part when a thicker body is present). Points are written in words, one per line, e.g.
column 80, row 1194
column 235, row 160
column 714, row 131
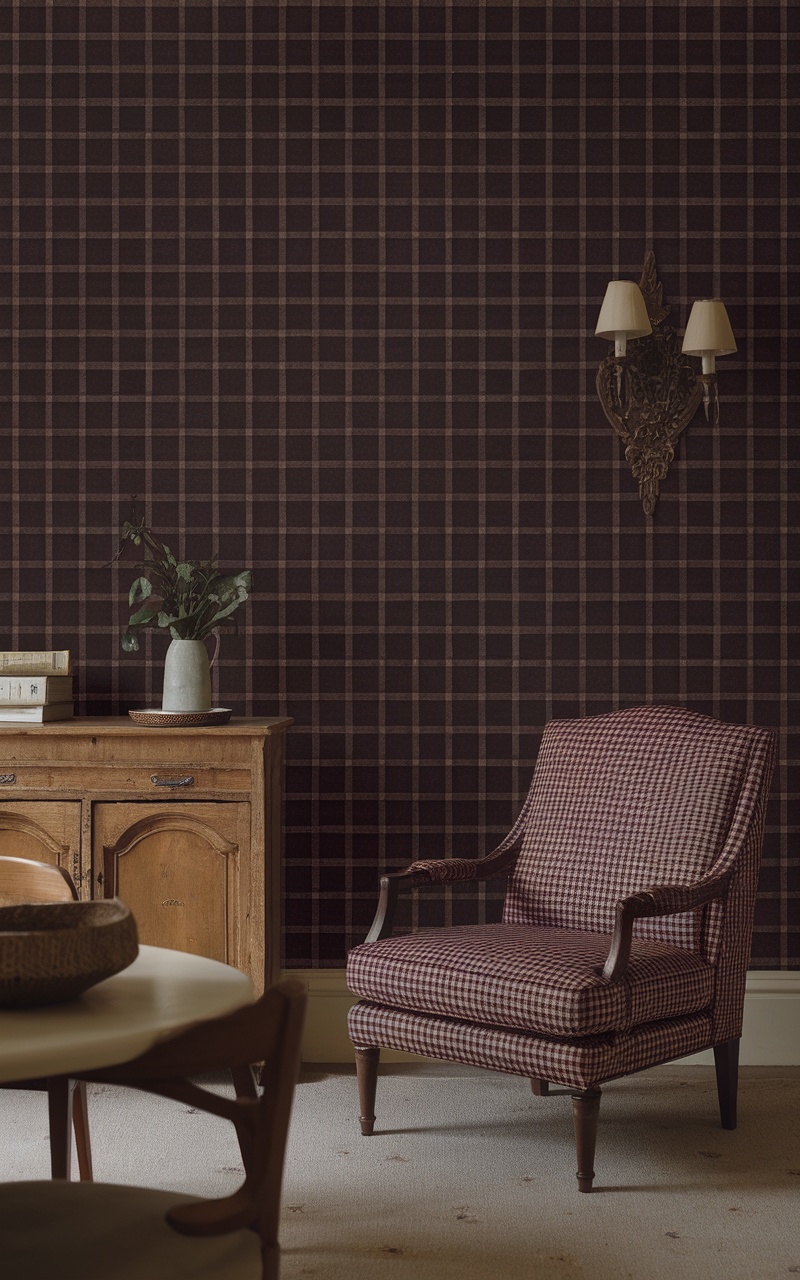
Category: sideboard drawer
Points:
column 157, row 780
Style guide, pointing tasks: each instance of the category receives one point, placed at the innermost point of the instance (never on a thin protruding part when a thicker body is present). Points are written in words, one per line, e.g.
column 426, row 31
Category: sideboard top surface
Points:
column 100, row 726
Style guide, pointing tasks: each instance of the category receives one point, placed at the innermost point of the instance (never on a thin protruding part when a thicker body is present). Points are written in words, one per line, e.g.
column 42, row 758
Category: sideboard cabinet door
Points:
column 182, row 869
column 46, row 831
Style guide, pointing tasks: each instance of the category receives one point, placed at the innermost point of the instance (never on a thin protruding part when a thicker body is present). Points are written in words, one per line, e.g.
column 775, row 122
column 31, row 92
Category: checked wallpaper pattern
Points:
column 324, row 280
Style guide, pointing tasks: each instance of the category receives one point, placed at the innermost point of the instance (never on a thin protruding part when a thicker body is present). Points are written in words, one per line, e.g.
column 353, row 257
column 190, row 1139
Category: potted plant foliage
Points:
column 187, row 598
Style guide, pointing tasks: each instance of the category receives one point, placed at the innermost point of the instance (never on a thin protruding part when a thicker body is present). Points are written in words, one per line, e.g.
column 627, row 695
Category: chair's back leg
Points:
column 726, row 1061
column 585, row 1113
column 539, row 1088
column 367, row 1071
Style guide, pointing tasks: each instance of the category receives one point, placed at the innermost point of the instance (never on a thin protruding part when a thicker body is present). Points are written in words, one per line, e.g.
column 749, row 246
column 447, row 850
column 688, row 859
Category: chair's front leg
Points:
column 59, row 1105
column 367, row 1071
column 585, row 1112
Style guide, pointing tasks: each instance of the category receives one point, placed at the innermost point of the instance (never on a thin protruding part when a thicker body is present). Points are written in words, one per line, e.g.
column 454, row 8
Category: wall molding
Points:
column 771, row 1036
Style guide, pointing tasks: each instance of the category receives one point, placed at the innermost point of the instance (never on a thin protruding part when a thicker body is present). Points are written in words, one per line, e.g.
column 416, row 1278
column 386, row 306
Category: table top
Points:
column 161, row 993
column 102, row 726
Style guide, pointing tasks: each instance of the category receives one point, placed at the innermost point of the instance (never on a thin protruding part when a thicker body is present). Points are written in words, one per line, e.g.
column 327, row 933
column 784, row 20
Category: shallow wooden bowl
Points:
column 53, row 951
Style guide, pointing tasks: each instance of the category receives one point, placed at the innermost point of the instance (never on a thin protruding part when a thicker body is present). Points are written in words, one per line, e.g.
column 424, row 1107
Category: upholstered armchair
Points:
column 631, row 879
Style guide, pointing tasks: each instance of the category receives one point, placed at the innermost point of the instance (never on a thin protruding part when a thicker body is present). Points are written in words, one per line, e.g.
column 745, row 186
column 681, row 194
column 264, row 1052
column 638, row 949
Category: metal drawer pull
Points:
column 188, row 781
column 7, row 778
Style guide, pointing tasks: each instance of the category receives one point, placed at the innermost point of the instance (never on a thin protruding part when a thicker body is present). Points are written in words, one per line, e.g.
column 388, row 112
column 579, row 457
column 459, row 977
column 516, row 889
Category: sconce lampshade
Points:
column 624, row 311
column 709, row 332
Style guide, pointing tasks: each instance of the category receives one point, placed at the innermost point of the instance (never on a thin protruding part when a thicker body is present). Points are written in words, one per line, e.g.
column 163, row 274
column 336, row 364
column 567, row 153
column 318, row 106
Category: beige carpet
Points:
column 471, row 1176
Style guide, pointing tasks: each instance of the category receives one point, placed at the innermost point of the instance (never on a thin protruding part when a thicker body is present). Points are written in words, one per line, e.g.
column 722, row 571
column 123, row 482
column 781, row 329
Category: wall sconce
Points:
column 649, row 389
column 623, row 315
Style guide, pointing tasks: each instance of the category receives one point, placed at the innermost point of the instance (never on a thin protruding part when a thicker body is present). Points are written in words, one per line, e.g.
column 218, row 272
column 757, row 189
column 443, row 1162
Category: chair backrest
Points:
column 22, row 880
column 268, row 1031
column 620, row 802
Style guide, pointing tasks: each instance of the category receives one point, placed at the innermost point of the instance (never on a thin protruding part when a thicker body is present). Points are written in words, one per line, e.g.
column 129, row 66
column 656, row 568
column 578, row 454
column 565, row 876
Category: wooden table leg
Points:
column 244, row 1082
column 80, row 1117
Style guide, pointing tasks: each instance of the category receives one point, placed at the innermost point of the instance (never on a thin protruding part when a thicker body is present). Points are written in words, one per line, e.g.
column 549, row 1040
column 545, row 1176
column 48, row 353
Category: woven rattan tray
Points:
column 53, row 951
column 155, row 718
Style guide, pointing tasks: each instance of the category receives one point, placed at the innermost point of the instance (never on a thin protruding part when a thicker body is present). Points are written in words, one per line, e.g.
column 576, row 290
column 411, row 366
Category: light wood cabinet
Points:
column 185, row 825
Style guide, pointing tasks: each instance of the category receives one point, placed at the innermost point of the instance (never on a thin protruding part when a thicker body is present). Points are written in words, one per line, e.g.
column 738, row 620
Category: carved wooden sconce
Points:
column 648, row 387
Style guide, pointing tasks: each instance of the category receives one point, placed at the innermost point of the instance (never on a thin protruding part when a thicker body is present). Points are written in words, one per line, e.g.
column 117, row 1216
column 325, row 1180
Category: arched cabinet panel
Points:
column 181, row 868
column 45, row 832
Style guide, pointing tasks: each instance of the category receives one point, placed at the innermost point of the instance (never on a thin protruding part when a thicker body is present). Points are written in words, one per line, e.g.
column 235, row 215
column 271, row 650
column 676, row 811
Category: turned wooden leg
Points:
column 80, row 1120
column 726, row 1061
column 59, row 1105
column 540, row 1088
column 585, row 1112
column 367, row 1072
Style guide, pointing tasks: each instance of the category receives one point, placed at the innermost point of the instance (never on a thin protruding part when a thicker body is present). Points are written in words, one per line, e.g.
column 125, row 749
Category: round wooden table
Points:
column 161, row 993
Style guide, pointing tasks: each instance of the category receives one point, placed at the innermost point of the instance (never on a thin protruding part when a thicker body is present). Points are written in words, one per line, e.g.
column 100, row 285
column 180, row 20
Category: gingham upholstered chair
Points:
column 631, row 882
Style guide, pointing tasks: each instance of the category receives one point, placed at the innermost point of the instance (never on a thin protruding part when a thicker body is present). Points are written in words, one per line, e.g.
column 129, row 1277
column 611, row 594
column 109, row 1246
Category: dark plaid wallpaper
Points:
column 319, row 283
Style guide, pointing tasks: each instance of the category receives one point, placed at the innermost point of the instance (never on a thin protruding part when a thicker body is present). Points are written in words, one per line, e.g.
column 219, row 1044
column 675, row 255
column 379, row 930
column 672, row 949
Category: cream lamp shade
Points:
column 623, row 314
column 708, row 333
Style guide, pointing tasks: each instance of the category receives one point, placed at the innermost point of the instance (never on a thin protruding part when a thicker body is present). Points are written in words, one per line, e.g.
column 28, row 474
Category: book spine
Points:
column 44, row 662
column 34, row 690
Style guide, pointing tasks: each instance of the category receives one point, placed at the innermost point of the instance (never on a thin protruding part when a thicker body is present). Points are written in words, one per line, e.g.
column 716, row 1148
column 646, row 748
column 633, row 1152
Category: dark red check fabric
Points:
column 577, row 1064
column 649, row 797
column 546, row 980
column 620, row 802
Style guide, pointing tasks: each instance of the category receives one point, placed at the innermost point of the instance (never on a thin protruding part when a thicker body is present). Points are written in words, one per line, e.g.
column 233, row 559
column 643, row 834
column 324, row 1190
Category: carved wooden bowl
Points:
column 53, row 951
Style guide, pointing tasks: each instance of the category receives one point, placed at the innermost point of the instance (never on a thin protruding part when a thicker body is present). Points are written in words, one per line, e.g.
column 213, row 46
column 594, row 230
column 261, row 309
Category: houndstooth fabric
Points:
column 622, row 802
column 721, row 780
column 544, row 980
column 576, row 1064
column 729, row 926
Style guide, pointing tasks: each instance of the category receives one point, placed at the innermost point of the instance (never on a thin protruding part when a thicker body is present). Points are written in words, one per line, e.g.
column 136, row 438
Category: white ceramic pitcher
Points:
column 187, row 676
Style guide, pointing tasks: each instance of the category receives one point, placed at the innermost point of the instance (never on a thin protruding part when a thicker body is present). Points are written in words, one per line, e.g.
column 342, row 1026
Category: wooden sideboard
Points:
column 185, row 825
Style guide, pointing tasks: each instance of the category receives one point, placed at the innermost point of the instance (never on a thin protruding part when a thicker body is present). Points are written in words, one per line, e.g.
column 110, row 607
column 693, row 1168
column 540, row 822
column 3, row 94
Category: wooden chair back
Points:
column 268, row 1031
column 22, row 880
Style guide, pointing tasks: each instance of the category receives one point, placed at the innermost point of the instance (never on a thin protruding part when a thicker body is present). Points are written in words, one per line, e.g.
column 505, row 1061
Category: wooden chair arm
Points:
column 435, row 872
column 661, row 900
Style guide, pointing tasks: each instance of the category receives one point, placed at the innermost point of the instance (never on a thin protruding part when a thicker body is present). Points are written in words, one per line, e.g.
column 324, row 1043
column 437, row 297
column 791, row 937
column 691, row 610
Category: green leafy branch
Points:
column 189, row 598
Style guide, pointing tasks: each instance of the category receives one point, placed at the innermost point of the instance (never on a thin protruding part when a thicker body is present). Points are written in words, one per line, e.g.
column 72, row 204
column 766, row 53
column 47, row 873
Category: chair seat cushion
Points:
column 577, row 1063
column 534, row 979
column 93, row 1231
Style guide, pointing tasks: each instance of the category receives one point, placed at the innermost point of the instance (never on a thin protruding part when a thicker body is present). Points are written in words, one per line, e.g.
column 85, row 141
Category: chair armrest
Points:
column 660, row 900
column 431, row 872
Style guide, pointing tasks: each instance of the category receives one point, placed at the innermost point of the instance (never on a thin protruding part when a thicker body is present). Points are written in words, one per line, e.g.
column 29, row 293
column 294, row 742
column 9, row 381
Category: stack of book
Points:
column 35, row 687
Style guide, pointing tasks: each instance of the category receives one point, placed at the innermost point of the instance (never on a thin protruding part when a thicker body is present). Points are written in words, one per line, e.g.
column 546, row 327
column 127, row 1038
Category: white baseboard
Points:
column 771, row 1036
